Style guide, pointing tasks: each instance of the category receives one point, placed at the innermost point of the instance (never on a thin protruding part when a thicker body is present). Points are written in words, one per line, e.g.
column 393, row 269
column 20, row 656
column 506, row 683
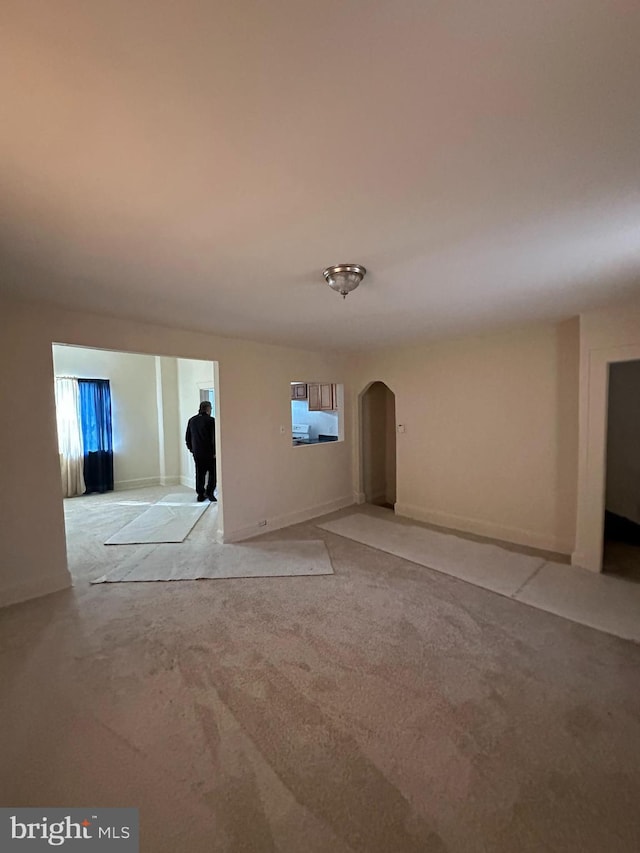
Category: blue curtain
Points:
column 95, row 418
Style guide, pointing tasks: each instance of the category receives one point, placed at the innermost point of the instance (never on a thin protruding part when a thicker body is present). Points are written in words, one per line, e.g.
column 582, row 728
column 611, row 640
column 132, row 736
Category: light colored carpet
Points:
column 247, row 560
column 385, row 708
column 480, row 563
column 171, row 519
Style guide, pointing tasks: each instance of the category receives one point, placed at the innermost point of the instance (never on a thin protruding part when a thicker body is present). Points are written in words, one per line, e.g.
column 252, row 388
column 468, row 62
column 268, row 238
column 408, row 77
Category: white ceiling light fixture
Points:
column 344, row 277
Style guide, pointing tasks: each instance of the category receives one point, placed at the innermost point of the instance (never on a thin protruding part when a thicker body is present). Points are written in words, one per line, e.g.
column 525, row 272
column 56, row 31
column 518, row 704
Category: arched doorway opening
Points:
column 378, row 444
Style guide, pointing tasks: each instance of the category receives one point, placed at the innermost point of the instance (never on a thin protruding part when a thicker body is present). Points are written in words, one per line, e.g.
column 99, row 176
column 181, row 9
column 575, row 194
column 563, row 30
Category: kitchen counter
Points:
column 323, row 440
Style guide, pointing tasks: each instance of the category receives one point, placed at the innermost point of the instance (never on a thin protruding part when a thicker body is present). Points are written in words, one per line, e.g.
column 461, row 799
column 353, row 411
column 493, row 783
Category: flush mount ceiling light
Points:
column 344, row 277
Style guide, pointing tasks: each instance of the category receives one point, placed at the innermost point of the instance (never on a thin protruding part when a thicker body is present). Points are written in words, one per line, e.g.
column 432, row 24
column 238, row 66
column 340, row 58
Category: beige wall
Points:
column 168, row 419
column 491, row 440
column 491, row 432
column 262, row 475
column 133, row 406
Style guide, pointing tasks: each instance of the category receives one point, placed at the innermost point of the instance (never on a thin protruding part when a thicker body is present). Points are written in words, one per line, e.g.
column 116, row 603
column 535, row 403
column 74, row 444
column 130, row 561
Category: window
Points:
column 316, row 412
column 209, row 395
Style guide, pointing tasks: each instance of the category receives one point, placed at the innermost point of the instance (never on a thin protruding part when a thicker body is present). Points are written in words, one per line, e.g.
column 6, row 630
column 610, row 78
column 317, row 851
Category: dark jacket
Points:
column 200, row 437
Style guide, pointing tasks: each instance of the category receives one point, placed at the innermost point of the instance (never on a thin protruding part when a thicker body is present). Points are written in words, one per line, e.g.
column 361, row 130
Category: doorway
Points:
column 594, row 396
column 378, row 445
column 151, row 399
column 621, row 547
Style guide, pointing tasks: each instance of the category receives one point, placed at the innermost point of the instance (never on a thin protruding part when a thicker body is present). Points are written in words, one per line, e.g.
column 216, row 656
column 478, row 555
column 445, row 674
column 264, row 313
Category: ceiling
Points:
column 199, row 162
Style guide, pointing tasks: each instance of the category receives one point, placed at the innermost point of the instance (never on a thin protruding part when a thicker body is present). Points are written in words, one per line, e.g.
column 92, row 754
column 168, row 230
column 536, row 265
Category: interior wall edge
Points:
column 34, row 588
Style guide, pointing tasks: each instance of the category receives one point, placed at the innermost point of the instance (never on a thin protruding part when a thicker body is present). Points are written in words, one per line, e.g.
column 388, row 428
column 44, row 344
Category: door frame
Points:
column 592, row 469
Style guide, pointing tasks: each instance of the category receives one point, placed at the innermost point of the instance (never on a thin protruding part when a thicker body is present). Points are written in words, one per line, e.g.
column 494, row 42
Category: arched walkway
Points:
column 378, row 444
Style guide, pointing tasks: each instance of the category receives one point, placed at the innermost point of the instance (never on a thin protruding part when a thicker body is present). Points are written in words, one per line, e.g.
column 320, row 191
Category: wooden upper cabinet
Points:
column 298, row 390
column 314, row 397
column 326, row 398
column 322, row 397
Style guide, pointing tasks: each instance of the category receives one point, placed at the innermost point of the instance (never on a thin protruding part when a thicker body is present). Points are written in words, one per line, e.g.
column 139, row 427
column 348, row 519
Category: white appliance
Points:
column 300, row 433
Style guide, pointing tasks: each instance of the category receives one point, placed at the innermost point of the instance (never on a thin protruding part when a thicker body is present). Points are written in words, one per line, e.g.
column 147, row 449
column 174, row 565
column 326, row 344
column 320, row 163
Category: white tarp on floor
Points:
column 481, row 563
column 169, row 520
column 287, row 558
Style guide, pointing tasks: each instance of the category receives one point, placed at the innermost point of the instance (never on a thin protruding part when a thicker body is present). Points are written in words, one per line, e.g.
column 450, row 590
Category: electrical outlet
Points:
column 401, row 428
column 262, row 523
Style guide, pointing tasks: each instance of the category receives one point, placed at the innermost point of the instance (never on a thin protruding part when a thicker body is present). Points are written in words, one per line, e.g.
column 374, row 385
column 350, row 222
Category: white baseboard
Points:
column 359, row 497
column 123, row 485
column 514, row 535
column 286, row 520
column 172, row 480
column 34, row 588
column 189, row 482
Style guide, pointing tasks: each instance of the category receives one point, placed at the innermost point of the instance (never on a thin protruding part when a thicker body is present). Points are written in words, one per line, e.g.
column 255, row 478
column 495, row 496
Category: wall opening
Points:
column 316, row 412
column 152, row 399
column 378, row 445
column 621, row 547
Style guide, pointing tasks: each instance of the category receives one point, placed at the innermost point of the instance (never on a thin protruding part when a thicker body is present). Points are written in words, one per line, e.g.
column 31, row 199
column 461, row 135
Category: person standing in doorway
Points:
column 200, row 438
